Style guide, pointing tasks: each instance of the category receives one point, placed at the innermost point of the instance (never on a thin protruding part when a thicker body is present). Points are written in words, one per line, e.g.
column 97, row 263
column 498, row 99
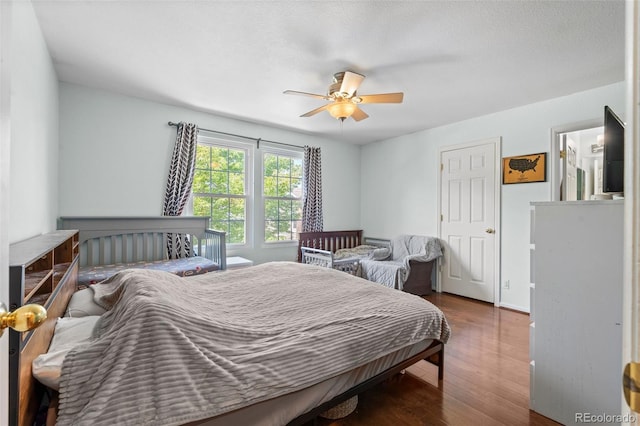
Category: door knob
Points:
column 490, row 231
column 25, row 318
column 630, row 385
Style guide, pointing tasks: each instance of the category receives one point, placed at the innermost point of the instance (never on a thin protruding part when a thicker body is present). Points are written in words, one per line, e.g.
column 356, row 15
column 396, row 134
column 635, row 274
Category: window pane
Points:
column 236, row 161
column 221, row 171
column 237, row 209
column 201, row 206
column 271, row 230
column 219, row 182
column 269, row 186
column 219, row 158
column 202, row 157
column 296, row 187
column 201, row 181
column 296, row 167
column 284, row 166
column 271, row 209
column 220, row 209
column 282, row 183
column 236, row 183
column 236, row 232
column 284, row 230
column 270, row 165
column 284, row 187
column 284, row 210
column 296, row 210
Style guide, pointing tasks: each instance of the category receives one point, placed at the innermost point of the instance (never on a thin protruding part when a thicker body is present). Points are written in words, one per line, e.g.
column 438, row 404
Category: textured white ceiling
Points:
column 453, row 59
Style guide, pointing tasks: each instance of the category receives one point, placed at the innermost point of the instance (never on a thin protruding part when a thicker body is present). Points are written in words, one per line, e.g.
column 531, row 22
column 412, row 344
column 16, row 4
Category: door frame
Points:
column 6, row 22
column 631, row 271
column 497, row 148
column 554, row 152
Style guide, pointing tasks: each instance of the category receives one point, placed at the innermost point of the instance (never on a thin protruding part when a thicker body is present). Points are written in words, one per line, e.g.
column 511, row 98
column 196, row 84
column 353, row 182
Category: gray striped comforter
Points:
column 172, row 350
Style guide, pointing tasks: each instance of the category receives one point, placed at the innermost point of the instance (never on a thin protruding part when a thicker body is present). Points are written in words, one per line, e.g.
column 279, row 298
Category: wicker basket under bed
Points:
column 341, row 410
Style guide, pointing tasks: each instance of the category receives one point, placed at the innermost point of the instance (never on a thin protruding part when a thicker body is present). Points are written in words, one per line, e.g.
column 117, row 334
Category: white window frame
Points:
column 254, row 198
column 260, row 198
column 248, row 183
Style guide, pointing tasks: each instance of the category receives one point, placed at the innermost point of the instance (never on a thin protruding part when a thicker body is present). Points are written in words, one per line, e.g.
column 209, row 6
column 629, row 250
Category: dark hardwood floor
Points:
column 486, row 376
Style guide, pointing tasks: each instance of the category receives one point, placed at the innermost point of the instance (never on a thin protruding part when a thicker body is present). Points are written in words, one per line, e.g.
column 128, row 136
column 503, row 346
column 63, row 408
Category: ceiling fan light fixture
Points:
column 341, row 110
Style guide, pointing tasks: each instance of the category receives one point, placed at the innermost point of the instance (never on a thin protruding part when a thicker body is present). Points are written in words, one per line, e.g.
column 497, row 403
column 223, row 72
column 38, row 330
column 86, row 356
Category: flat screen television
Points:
column 613, row 161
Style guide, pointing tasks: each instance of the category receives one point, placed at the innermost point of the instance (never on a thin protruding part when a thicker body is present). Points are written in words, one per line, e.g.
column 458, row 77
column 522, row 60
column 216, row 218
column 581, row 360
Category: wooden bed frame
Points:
column 31, row 391
column 433, row 354
column 113, row 240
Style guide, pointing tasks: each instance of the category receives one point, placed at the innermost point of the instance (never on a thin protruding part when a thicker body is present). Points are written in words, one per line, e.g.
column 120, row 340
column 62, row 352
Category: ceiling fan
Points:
column 343, row 100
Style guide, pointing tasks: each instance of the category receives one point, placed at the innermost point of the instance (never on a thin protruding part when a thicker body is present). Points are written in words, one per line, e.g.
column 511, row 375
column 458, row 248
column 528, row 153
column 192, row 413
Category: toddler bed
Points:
column 245, row 365
column 405, row 262
column 111, row 244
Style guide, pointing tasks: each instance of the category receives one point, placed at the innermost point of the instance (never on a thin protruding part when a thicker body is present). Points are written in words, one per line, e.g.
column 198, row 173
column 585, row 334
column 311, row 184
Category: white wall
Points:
column 115, row 152
column 399, row 176
column 34, row 129
column 28, row 143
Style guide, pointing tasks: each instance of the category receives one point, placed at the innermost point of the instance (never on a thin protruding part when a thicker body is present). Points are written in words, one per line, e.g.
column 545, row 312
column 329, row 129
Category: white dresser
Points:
column 576, row 309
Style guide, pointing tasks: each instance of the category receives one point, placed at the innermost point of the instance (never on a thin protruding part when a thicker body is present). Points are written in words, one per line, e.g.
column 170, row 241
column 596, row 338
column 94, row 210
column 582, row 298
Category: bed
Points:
column 343, row 330
column 112, row 244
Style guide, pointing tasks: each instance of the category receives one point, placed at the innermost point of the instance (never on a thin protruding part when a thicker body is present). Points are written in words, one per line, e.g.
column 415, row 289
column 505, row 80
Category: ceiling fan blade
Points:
column 382, row 98
column 359, row 114
column 313, row 95
column 350, row 82
column 315, row 111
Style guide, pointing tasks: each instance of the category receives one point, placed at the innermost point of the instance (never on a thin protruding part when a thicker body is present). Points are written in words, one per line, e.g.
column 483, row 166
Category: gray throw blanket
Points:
column 393, row 273
column 171, row 350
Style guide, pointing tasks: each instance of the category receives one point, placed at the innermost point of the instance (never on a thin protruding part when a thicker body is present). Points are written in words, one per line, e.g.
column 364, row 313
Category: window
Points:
column 220, row 189
column 223, row 189
column 282, row 194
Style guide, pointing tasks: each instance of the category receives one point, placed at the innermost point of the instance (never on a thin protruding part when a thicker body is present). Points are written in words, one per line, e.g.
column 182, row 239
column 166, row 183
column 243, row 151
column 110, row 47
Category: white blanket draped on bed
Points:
column 393, row 273
column 172, row 350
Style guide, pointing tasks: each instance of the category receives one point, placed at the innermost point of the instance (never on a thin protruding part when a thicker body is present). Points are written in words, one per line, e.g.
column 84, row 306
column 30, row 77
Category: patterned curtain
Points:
column 312, row 191
column 179, row 184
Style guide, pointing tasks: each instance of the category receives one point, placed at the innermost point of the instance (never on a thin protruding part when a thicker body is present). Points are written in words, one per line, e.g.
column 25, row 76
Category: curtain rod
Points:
column 171, row 123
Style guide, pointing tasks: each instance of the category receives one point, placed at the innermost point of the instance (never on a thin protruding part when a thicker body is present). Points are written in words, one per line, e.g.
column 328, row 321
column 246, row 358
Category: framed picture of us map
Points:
column 525, row 168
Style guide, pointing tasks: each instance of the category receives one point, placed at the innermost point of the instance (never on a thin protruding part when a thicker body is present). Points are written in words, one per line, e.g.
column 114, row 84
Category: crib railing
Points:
column 329, row 240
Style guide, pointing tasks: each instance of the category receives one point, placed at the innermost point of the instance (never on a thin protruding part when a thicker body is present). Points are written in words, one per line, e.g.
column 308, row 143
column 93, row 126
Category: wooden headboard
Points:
column 122, row 239
column 329, row 240
column 42, row 270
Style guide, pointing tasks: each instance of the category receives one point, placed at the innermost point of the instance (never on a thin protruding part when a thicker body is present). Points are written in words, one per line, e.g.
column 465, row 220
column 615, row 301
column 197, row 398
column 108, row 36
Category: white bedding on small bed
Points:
column 172, row 350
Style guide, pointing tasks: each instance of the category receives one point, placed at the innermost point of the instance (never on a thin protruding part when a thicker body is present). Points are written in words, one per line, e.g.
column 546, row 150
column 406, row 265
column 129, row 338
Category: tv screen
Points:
column 613, row 161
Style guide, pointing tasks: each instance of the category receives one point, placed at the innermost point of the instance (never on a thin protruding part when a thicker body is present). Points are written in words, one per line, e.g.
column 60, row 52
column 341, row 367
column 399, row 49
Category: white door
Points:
column 468, row 220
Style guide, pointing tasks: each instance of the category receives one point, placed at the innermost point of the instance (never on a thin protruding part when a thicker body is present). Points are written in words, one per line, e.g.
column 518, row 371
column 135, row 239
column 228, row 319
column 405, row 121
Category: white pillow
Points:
column 69, row 333
column 82, row 304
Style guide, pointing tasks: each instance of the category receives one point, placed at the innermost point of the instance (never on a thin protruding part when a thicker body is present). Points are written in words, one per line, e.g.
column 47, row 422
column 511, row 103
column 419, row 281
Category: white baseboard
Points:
column 514, row 307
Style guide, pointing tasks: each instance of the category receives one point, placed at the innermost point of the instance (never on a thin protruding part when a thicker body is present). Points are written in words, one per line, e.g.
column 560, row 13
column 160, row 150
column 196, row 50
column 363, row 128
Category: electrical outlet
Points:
column 506, row 285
